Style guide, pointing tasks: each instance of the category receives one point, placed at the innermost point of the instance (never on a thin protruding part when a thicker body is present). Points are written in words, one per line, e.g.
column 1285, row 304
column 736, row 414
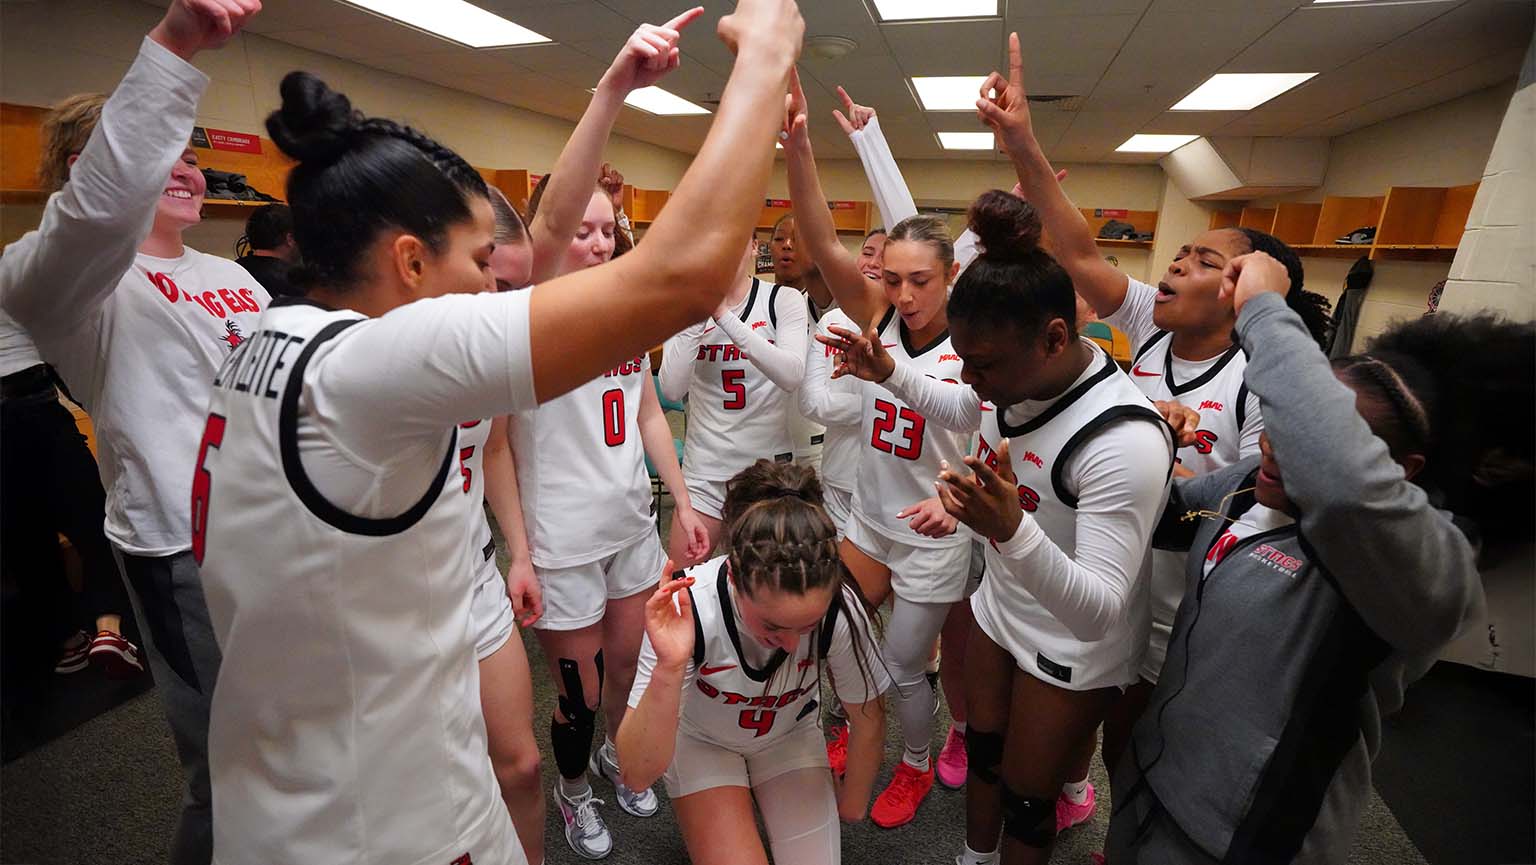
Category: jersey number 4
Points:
column 758, row 720
column 202, row 485
column 909, row 445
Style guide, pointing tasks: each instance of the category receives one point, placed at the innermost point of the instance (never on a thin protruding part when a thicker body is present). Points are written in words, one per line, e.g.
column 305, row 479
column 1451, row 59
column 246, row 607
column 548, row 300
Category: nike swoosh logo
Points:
column 710, row 671
column 1136, row 370
column 706, row 330
column 889, row 344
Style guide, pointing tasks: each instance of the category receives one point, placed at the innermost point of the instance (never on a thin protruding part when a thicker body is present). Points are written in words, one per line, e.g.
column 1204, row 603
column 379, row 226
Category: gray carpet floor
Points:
column 109, row 791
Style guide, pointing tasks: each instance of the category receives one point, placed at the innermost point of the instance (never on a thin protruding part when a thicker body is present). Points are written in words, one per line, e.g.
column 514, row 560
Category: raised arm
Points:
column 859, row 297
column 649, row 54
column 677, row 356
column 892, row 196
column 1004, row 107
column 61, row 273
column 648, row 735
column 1404, row 566
column 693, row 249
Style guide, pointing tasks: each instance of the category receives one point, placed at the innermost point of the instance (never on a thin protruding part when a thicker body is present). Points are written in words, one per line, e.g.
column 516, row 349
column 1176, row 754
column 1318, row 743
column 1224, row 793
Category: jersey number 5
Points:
column 910, row 446
column 735, row 391
column 613, row 417
column 202, row 485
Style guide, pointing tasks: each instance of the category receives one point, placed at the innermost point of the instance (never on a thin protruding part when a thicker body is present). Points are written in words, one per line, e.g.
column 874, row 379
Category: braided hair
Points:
column 358, row 176
column 779, row 538
column 1311, row 306
column 1459, row 391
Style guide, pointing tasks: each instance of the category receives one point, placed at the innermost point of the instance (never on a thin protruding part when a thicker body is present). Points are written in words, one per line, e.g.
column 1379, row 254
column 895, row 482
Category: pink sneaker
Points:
column 1069, row 814
column 952, row 762
column 1097, row 859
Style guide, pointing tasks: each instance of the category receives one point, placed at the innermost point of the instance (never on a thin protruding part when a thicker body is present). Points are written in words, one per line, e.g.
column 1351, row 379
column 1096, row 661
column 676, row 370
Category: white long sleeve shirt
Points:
column 138, row 339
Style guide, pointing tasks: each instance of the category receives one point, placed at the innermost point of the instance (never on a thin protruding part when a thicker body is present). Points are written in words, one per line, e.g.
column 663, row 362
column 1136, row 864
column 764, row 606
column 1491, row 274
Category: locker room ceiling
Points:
column 1124, row 62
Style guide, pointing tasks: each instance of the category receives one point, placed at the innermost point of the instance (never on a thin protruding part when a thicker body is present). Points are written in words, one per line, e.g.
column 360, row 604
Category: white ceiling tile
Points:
column 947, row 48
column 1319, row 38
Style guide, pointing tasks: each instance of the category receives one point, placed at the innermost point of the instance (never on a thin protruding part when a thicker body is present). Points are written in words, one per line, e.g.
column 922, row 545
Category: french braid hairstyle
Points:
column 357, row 176
column 779, row 537
column 1311, row 306
column 1461, row 392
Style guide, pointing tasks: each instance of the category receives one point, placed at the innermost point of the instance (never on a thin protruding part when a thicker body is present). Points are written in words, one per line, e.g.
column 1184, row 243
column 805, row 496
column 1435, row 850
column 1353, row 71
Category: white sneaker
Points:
column 584, row 828
column 641, row 803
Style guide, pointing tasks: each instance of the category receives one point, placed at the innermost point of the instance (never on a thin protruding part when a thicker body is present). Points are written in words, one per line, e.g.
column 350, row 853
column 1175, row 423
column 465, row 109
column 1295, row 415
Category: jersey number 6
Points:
column 202, row 485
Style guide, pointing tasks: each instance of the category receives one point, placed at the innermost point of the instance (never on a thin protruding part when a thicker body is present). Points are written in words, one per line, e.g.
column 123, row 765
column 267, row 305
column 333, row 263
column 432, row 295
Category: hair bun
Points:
column 1007, row 226
column 315, row 122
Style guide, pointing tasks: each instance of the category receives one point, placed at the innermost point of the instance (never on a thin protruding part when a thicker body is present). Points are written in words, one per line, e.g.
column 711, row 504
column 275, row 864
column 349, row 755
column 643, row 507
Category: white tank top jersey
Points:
column 1230, row 424
column 900, row 452
column 346, row 722
column 737, row 415
column 840, row 449
column 743, row 696
column 1040, row 450
column 581, row 469
column 471, row 480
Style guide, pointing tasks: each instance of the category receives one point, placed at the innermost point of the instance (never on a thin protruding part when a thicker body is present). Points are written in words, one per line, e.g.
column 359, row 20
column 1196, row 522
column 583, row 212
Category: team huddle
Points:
column 1223, row 561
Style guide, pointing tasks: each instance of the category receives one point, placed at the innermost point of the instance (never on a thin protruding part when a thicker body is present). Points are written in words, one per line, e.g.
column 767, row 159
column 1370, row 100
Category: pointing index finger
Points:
column 1015, row 63
column 684, row 19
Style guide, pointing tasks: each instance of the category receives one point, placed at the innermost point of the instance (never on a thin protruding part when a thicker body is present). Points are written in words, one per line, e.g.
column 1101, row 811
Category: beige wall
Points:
column 1444, row 145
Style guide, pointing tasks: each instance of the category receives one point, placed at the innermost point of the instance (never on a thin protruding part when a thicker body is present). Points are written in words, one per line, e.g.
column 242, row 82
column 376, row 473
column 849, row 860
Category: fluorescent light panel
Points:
column 917, row 10
column 454, row 20
column 949, row 93
column 1240, row 91
column 657, row 101
column 1154, row 143
column 966, row 140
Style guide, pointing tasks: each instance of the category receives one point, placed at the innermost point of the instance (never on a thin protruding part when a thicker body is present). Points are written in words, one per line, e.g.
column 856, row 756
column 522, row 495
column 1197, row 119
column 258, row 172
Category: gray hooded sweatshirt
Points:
column 1257, row 744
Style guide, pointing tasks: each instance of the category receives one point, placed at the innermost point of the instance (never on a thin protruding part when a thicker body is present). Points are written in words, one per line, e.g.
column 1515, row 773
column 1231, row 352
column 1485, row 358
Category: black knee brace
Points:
column 572, row 741
column 1028, row 820
column 983, row 753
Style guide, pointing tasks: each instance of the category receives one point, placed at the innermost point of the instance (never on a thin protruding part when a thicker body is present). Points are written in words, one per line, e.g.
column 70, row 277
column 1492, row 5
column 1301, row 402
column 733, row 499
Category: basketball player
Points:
column 738, row 370
column 347, row 702
column 581, row 471
column 1181, row 341
column 136, row 323
column 498, row 605
column 1068, row 481
column 1328, row 578
column 923, row 565
column 724, row 704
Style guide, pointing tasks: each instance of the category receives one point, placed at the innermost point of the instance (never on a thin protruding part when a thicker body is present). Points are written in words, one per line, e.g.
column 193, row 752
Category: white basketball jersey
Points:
column 745, row 706
column 346, row 724
column 1039, row 451
column 1218, row 394
column 471, row 479
column 736, row 414
column 581, row 469
column 900, row 453
column 840, row 451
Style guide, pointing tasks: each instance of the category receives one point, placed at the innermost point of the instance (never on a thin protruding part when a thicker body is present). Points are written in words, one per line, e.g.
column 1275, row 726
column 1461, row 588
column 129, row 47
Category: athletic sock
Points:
column 1075, row 792
column 575, row 789
column 917, row 759
column 971, row 857
column 610, row 751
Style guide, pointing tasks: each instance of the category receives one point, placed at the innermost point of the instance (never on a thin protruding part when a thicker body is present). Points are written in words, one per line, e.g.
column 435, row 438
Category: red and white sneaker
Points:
column 952, row 764
column 76, row 655
column 837, row 750
column 897, row 805
column 116, row 655
column 1069, row 814
column 1097, row 859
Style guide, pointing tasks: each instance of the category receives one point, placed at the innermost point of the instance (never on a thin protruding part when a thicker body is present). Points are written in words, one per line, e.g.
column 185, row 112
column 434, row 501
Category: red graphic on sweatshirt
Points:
column 232, row 334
